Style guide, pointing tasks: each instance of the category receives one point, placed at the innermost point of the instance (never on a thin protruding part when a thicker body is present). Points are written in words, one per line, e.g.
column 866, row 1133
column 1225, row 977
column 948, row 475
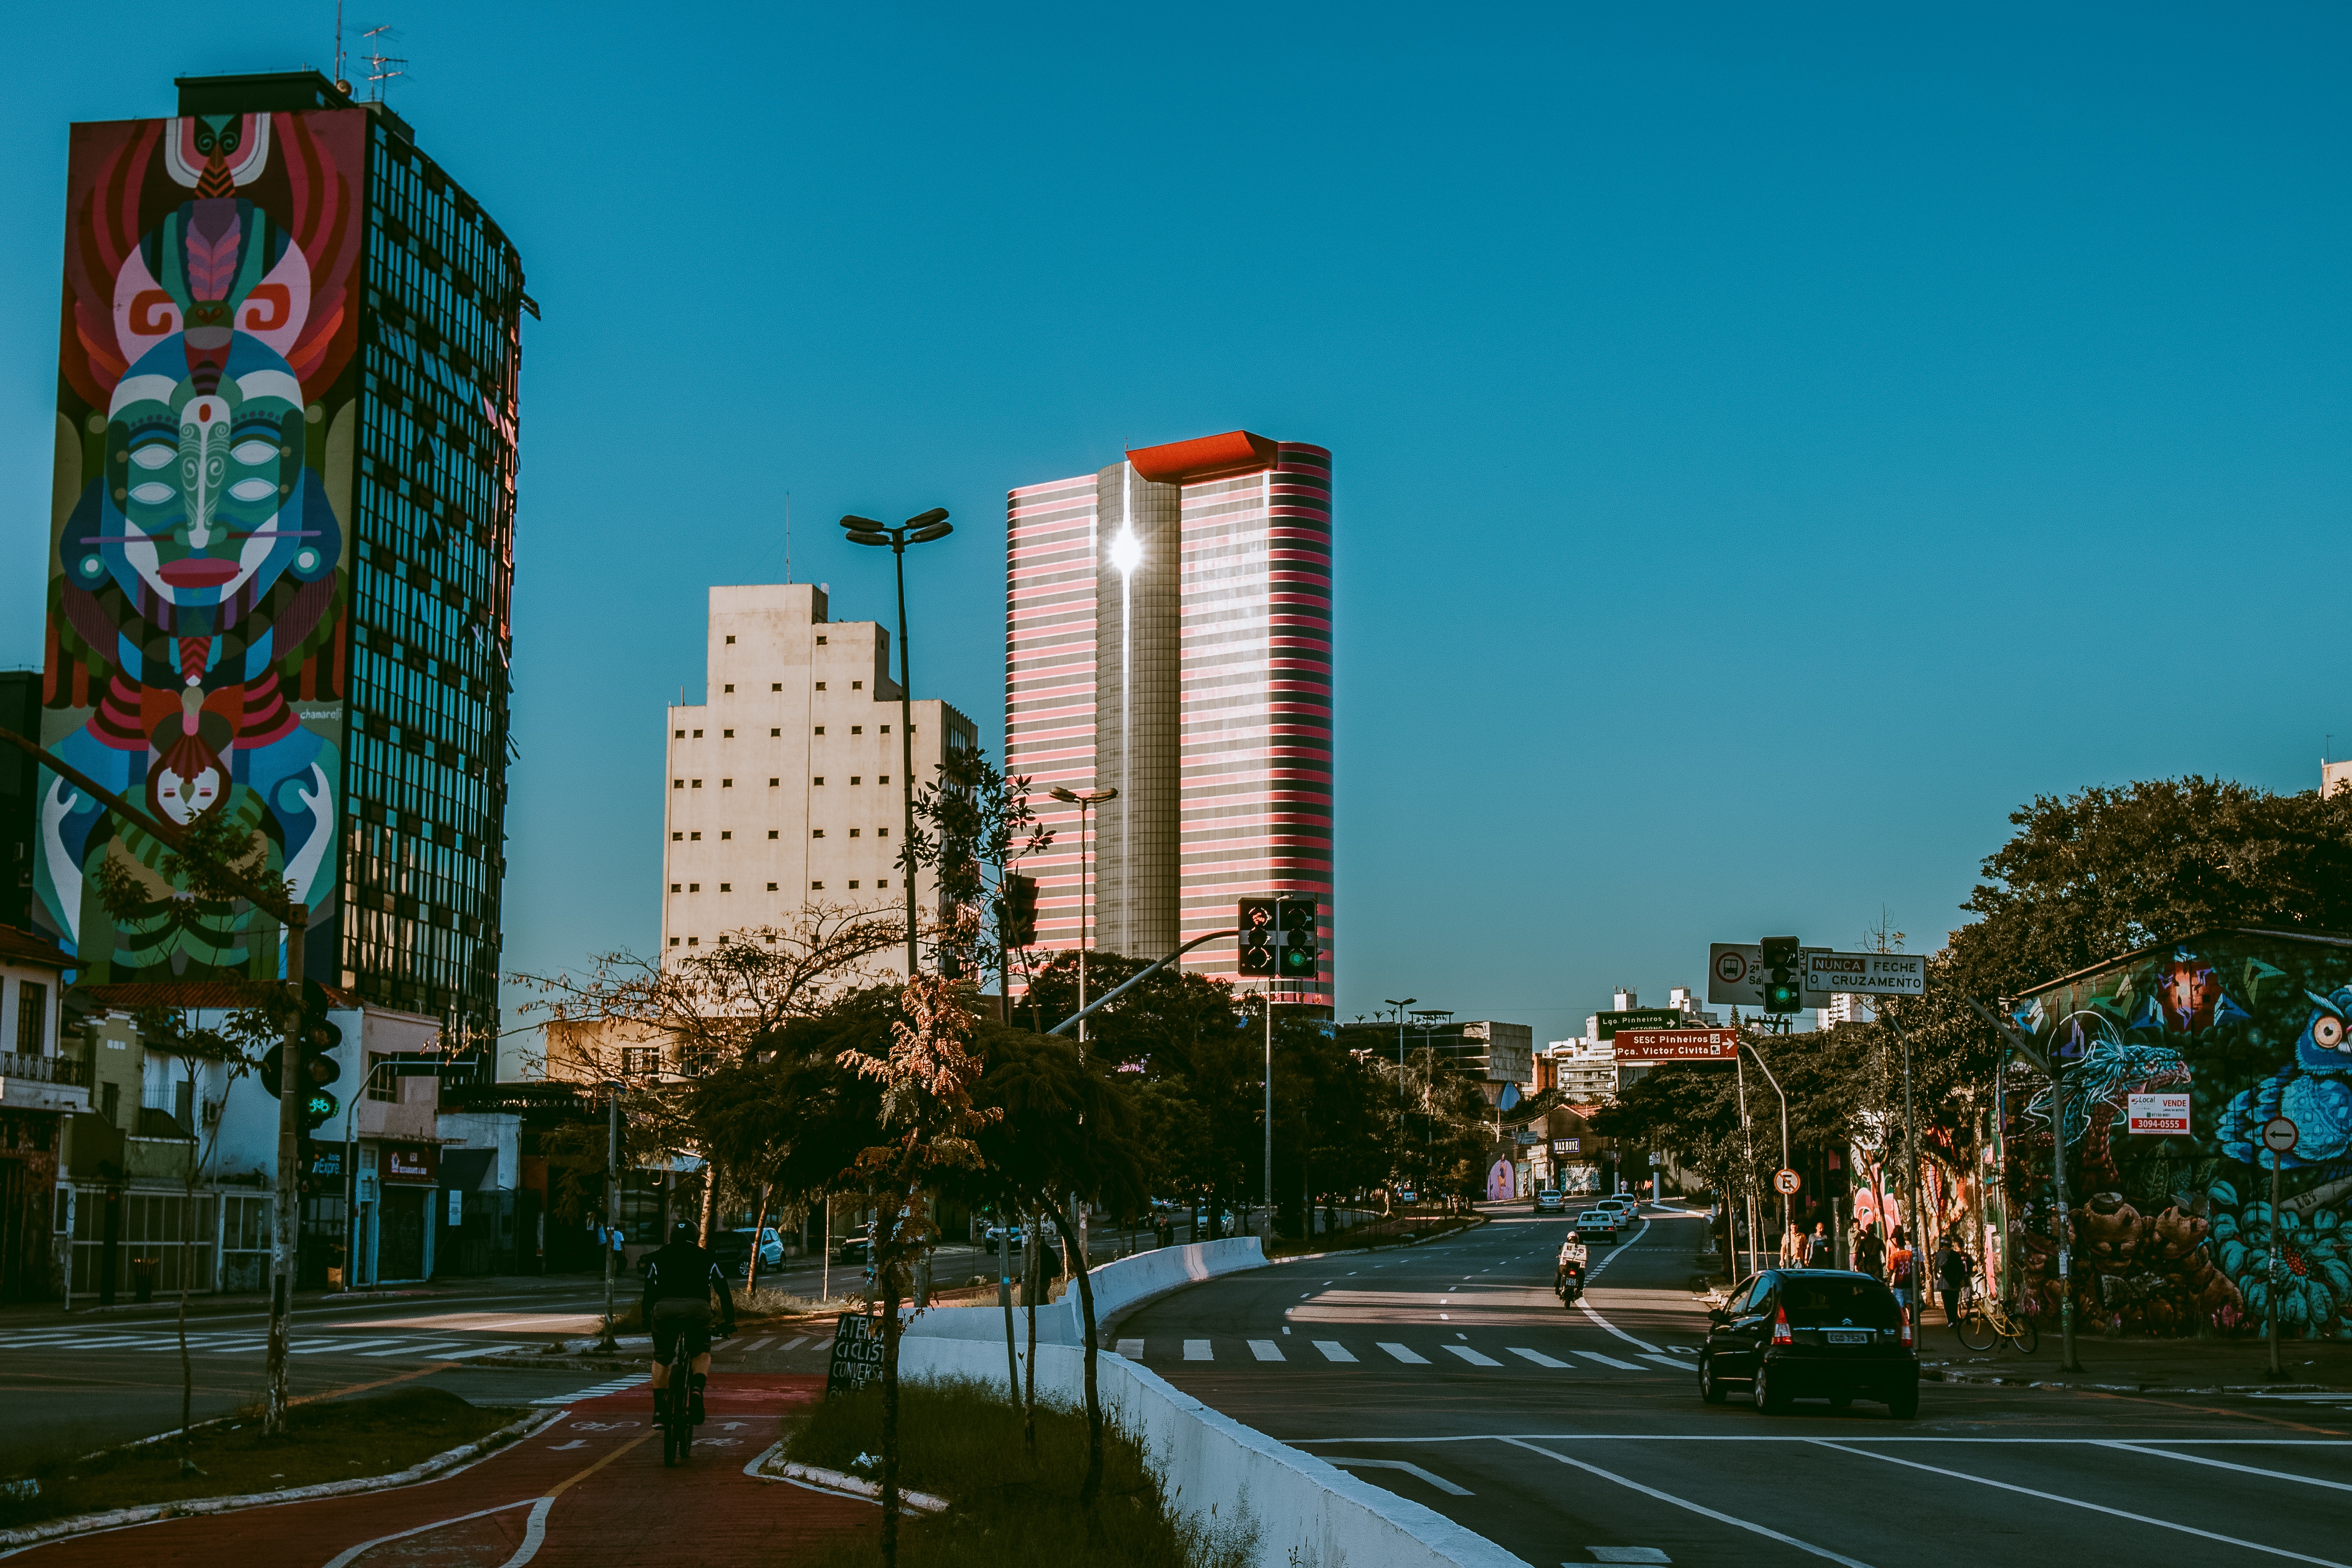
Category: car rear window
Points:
column 1820, row 1303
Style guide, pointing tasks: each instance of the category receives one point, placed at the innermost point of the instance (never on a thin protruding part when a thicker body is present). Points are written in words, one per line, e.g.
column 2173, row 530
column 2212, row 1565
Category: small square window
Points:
column 853, row 833
column 856, row 779
column 696, row 837
column 774, row 783
column 885, row 778
column 816, row 833
column 858, row 686
column 677, row 783
column 729, row 784
column 881, row 833
column 773, row 833
column 726, row 734
column 726, row 836
column 853, row 884
column 730, row 638
column 697, row 784
column 820, row 686
column 677, row 735
column 881, row 881
column 886, row 728
column 771, row 888
column 820, row 641
column 770, row 938
column 819, row 729
column 857, row 729
column 694, row 887
column 779, row 686
column 818, row 780
column 726, row 887
column 677, row 839
column 694, row 942
column 775, row 732
column 673, row 942
column 677, row 887
column 816, row 886
column 698, row 734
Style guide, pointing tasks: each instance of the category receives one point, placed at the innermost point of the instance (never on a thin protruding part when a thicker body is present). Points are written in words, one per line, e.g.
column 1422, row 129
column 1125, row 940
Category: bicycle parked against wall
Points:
column 1985, row 1322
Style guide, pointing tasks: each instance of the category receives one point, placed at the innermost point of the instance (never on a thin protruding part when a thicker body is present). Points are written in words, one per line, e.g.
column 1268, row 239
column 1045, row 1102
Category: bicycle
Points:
column 676, row 1412
column 1985, row 1322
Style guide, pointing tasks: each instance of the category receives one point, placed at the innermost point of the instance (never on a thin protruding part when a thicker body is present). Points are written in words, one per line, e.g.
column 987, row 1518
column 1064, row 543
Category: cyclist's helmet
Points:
column 684, row 1235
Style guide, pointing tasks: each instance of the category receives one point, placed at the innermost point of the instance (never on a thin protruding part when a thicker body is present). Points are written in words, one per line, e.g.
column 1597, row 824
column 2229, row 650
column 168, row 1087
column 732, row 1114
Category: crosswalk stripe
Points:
column 1198, row 1350
column 755, row 1344
column 1671, row 1363
column 1333, row 1351
column 1265, row 1350
column 1536, row 1357
column 418, row 1350
column 1611, row 1360
column 1472, row 1357
column 323, row 1347
column 1403, row 1354
column 794, row 1343
column 1131, row 1349
column 479, row 1350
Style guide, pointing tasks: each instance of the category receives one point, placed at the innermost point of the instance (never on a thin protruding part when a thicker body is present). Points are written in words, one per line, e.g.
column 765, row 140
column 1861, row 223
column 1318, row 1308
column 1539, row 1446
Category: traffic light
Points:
column 1302, row 946
column 1261, row 935
column 1784, row 990
column 1018, row 923
column 320, row 1037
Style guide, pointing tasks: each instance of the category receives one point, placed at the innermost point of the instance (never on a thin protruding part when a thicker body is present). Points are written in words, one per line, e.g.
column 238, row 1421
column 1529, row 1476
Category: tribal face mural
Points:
column 2174, row 1234
column 205, row 430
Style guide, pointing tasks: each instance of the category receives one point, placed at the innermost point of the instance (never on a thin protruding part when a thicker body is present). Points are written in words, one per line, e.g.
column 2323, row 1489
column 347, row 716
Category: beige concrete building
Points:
column 785, row 782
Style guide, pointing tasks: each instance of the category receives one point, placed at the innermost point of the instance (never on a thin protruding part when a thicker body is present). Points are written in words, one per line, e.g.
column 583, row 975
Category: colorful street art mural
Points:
column 206, row 423
column 2173, row 1234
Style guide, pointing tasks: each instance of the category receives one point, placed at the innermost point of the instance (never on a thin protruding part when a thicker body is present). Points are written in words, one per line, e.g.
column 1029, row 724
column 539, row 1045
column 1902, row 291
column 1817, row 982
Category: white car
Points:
column 1597, row 1225
column 1549, row 1200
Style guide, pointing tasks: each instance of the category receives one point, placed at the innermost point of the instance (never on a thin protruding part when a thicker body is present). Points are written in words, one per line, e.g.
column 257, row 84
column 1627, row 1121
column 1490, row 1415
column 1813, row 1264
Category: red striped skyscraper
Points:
column 1168, row 634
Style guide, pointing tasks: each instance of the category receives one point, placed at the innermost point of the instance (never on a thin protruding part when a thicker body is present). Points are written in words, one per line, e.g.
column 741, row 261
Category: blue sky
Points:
column 1768, row 447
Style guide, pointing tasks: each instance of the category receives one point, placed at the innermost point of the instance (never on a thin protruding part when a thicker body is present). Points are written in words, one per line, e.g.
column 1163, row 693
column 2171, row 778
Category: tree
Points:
column 972, row 823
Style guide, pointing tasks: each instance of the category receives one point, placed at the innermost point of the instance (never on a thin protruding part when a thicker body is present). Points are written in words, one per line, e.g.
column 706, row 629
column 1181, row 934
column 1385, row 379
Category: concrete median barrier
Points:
column 1119, row 1286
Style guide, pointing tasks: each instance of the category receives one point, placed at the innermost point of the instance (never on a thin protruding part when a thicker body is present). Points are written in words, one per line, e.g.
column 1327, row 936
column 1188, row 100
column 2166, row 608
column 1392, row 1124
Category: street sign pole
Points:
column 2279, row 1136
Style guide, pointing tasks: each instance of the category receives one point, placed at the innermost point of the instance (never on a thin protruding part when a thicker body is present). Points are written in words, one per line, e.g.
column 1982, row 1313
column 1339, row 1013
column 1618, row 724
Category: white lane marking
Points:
column 418, row 1350
column 534, row 1530
column 344, row 1558
column 1628, row 1554
column 2078, row 1502
column 1585, row 1306
column 1439, row 1482
column 1131, row 1349
column 1700, row 1509
column 1610, row 1361
column 1403, row 1354
column 1781, row 1437
column 1536, row 1357
column 614, row 1385
column 794, row 1344
column 1333, row 1351
column 1265, row 1350
column 1472, row 1357
column 1669, row 1362
column 2225, row 1465
column 322, row 1347
column 1197, row 1350
column 757, row 1344
column 480, row 1349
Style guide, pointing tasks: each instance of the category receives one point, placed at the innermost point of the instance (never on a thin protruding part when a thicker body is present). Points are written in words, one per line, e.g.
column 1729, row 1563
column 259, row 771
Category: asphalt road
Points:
column 1451, row 1375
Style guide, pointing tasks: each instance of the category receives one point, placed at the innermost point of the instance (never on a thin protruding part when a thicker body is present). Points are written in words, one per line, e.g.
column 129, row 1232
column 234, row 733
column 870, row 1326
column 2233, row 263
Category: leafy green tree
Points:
column 971, row 823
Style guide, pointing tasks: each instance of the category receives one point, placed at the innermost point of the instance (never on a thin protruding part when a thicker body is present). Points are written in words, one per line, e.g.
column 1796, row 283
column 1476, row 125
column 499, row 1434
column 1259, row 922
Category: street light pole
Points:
column 1085, row 801
column 1400, row 1007
column 612, row 1200
column 1784, row 1140
column 918, row 529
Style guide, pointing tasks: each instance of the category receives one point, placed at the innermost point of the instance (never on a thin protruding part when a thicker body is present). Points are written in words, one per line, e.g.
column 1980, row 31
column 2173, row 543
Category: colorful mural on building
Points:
column 2173, row 1234
column 206, row 423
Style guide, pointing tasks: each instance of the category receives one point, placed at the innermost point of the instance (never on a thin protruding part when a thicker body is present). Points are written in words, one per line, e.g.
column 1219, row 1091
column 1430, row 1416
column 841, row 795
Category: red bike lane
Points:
column 591, row 1488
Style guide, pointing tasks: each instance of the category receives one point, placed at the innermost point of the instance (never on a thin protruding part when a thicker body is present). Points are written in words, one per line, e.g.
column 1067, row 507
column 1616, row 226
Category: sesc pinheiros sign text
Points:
column 1644, row 1046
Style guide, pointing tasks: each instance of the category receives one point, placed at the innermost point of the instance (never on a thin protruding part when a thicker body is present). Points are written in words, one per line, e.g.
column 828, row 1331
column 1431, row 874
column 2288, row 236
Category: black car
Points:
column 1811, row 1334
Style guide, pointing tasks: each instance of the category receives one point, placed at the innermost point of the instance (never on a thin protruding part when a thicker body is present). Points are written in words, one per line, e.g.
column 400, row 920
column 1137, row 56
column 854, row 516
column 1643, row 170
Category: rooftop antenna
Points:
column 339, row 49
column 377, row 61
column 788, row 539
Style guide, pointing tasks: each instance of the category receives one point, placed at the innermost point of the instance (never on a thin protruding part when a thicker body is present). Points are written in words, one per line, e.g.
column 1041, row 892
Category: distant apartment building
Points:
column 1582, row 1068
column 784, row 783
column 2333, row 776
column 1844, row 1008
column 1168, row 634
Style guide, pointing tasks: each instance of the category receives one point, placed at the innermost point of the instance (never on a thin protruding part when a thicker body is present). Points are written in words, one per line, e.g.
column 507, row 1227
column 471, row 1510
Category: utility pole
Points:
column 611, row 1202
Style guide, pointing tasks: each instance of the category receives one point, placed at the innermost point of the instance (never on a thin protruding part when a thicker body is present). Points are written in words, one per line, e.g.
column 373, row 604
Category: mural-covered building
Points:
column 2173, row 1229
column 280, row 566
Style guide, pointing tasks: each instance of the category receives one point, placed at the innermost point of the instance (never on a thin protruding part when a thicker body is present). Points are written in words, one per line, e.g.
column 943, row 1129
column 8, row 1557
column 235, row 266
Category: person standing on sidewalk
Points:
column 1953, row 1267
column 1817, row 1249
column 1866, row 1249
column 1902, row 1275
column 1793, row 1247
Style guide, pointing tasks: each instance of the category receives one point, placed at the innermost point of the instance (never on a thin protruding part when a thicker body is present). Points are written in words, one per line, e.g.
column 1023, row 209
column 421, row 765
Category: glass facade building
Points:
column 282, row 553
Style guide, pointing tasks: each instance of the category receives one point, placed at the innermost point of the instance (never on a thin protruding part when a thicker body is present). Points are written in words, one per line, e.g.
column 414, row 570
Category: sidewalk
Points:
column 2134, row 1365
column 589, row 1490
column 19, row 1314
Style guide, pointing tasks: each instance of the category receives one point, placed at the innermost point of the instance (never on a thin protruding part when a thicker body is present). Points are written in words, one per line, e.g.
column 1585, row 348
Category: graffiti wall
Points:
column 206, row 422
column 2174, row 1230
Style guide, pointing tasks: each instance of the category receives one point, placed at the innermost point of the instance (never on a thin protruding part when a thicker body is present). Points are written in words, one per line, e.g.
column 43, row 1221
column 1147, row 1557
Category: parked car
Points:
column 1598, row 1225
column 731, row 1249
column 1002, row 1237
column 1811, row 1333
column 1549, row 1200
column 853, row 1249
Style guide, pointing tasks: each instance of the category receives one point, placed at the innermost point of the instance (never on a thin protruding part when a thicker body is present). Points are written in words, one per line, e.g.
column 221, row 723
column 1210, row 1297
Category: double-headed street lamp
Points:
column 921, row 529
column 1085, row 801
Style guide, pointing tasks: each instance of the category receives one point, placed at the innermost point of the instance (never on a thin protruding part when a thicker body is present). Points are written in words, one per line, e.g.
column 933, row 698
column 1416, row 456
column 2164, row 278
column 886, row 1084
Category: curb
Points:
column 838, row 1482
column 117, row 1519
column 559, row 1362
column 1369, row 1246
column 1942, row 1374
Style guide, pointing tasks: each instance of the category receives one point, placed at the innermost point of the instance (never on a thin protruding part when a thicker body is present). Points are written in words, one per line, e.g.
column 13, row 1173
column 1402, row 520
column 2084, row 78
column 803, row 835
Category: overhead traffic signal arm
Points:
column 1783, row 985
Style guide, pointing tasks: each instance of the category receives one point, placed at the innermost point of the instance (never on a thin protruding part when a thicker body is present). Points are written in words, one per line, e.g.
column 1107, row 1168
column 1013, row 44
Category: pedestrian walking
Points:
column 1867, row 1251
column 1953, row 1267
column 1793, row 1247
column 1901, row 1272
column 1817, row 1251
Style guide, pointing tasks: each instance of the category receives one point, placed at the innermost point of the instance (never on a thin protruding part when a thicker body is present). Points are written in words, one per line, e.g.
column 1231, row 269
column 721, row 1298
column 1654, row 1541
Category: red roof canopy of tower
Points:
column 1204, row 458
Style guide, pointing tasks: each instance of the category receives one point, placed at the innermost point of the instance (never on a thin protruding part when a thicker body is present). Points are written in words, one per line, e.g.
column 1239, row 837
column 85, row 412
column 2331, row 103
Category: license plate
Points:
column 1846, row 1336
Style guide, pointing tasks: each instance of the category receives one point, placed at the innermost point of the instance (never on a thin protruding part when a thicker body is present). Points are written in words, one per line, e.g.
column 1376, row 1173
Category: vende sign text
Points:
column 2158, row 1113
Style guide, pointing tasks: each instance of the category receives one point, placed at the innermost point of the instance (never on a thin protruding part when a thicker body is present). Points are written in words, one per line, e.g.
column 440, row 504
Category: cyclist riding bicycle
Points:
column 679, row 1278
